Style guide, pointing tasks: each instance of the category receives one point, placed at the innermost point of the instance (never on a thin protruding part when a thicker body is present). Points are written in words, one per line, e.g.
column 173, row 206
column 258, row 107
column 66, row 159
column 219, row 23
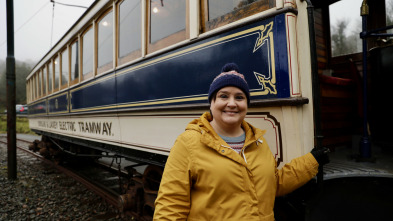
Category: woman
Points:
column 221, row 167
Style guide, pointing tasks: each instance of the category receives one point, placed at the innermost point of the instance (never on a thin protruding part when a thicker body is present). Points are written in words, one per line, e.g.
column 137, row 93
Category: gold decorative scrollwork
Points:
column 263, row 35
column 268, row 82
column 267, row 85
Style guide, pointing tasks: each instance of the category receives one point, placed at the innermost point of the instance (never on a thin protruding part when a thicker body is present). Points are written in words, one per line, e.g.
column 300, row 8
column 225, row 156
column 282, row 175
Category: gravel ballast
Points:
column 43, row 193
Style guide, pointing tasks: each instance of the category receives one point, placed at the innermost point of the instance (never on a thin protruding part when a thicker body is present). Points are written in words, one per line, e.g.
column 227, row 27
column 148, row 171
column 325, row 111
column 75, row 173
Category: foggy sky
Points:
column 33, row 25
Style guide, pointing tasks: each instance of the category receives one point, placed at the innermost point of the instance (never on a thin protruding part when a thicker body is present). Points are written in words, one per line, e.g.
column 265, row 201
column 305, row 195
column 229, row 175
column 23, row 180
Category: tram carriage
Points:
column 129, row 75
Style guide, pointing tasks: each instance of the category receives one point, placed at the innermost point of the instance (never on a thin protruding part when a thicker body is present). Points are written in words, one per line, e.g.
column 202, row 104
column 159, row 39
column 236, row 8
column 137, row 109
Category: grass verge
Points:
column 22, row 125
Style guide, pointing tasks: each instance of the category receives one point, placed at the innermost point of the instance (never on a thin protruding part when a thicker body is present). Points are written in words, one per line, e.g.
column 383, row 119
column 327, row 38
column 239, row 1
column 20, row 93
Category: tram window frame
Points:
column 170, row 39
column 74, row 74
column 67, row 66
column 110, row 65
column 232, row 16
column 90, row 74
column 135, row 54
column 56, row 88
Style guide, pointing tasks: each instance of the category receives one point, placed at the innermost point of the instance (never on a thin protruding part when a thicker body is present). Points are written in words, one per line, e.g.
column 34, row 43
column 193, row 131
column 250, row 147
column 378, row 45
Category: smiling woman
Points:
column 218, row 149
column 228, row 109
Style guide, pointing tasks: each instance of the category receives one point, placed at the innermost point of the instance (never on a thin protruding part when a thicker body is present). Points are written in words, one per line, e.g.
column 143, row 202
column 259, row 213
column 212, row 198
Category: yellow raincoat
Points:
column 204, row 179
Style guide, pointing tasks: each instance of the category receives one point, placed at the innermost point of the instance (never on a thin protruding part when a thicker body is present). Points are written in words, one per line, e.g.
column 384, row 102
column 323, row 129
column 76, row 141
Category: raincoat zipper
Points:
column 244, row 156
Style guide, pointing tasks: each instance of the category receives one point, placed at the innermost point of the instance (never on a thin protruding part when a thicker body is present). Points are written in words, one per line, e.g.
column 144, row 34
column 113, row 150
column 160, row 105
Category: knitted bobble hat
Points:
column 229, row 76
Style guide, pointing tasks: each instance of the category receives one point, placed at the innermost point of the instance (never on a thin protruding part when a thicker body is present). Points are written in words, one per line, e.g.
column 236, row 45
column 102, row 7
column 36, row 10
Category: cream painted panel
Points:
column 293, row 134
column 293, row 54
column 269, row 120
column 153, row 133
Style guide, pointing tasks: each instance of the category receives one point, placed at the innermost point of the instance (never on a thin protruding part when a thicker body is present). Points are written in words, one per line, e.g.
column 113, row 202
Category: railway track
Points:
column 102, row 178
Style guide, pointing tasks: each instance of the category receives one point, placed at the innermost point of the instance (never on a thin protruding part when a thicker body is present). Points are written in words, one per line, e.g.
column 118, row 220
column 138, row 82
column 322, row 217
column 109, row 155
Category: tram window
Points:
column 39, row 84
column 74, row 63
column 31, row 81
column 42, row 84
column 129, row 42
column 56, row 67
column 35, row 86
column 27, row 91
column 167, row 24
column 36, row 77
column 50, row 78
column 105, row 43
column 31, row 90
column 44, row 80
column 87, row 54
column 64, row 68
column 345, row 26
column 216, row 13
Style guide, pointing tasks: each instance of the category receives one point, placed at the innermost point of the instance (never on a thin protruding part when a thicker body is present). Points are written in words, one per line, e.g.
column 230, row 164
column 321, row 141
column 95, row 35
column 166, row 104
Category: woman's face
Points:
column 229, row 108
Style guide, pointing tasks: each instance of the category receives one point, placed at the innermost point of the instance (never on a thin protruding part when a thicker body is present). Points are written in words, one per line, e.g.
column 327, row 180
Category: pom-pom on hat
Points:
column 229, row 76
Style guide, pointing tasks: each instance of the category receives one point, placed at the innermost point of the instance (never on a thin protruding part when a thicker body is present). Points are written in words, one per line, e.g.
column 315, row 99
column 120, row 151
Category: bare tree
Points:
column 22, row 69
column 389, row 12
column 341, row 42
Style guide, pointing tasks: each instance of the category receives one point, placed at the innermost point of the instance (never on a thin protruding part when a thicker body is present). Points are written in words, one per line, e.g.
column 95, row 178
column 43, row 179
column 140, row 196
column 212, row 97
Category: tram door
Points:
column 339, row 50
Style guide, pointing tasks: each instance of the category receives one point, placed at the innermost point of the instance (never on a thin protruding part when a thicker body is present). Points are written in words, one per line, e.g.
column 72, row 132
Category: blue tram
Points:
column 129, row 75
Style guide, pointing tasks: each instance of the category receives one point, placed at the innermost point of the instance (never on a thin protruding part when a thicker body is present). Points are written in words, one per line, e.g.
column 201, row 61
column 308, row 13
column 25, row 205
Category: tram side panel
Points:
column 110, row 108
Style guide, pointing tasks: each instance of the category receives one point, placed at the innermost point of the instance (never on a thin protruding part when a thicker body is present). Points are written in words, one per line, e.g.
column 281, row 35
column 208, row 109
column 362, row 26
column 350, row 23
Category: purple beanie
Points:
column 229, row 76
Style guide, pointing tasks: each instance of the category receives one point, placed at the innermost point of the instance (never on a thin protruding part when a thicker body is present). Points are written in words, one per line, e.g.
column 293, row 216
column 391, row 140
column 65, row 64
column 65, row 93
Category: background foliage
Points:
column 347, row 41
column 22, row 69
